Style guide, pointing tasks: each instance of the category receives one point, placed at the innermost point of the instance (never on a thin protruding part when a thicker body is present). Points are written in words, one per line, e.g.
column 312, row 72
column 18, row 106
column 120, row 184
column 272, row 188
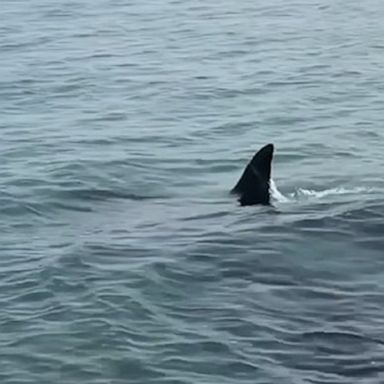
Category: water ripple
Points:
column 123, row 257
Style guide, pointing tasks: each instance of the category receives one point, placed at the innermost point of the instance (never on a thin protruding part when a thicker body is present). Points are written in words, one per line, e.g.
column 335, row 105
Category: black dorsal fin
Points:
column 253, row 186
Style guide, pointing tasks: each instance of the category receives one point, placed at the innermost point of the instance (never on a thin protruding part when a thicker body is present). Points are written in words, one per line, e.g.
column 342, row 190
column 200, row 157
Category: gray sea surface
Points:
column 123, row 125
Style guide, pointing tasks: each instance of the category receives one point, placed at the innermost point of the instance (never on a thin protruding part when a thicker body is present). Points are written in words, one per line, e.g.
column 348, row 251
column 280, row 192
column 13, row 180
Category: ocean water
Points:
column 124, row 124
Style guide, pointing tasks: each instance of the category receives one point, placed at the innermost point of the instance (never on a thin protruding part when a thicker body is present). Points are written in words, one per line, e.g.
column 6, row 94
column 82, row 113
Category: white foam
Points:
column 276, row 194
column 311, row 193
column 301, row 192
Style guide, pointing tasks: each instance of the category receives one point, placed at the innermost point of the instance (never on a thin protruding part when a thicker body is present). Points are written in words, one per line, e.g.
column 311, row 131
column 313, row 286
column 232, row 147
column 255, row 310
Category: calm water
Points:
column 123, row 126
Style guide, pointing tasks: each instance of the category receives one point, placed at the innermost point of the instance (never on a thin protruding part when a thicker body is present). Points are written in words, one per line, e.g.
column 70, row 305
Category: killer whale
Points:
column 253, row 186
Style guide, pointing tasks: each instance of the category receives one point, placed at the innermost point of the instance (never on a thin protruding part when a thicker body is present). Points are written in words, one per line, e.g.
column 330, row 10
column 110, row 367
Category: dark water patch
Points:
column 15, row 207
column 71, row 207
column 208, row 216
column 103, row 194
column 340, row 338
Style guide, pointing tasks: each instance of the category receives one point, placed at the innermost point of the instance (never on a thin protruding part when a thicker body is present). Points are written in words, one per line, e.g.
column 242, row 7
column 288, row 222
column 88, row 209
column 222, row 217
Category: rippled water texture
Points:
column 123, row 126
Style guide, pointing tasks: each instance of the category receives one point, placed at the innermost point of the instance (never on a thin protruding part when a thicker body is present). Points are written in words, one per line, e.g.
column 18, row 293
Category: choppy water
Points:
column 123, row 126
